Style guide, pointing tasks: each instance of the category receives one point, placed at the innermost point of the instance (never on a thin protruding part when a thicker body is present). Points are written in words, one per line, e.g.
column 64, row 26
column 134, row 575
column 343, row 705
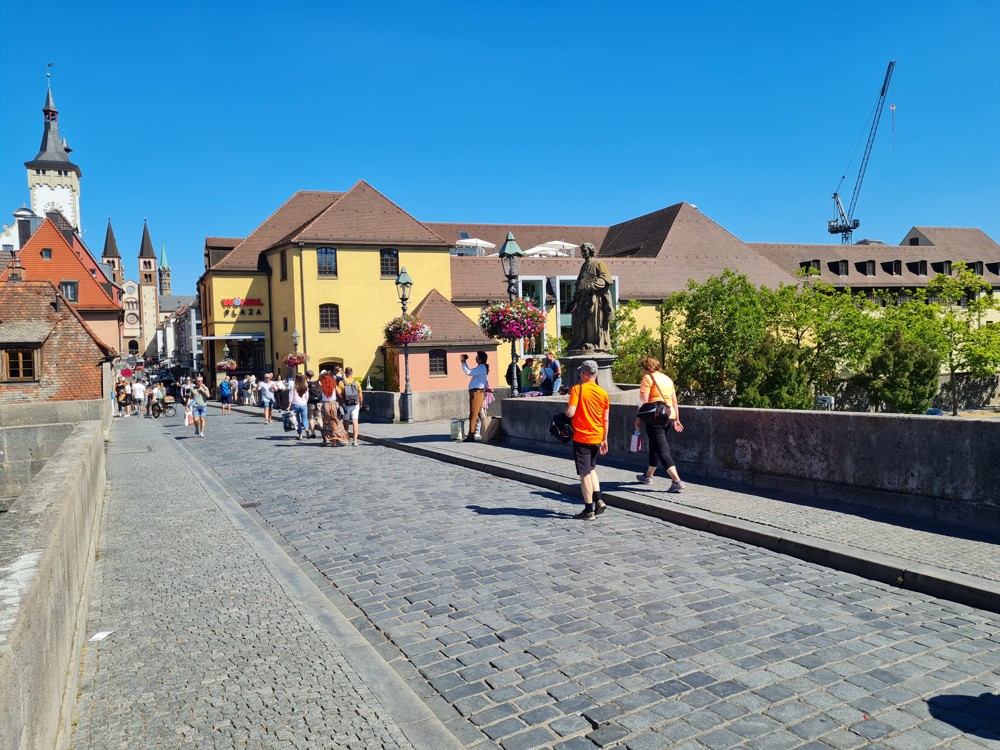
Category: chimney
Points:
column 58, row 302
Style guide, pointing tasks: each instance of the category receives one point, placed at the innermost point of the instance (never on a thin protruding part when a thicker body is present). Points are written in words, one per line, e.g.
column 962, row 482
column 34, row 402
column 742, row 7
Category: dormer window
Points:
column 869, row 268
column 46, row 253
column 843, row 268
column 976, row 266
column 946, row 267
column 810, row 265
column 897, row 268
column 69, row 290
column 922, row 267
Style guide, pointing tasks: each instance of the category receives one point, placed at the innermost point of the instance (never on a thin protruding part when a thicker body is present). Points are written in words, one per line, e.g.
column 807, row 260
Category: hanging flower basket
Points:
column 406, row 329
column 518, row 319
column 226, row 365
column 294, row 360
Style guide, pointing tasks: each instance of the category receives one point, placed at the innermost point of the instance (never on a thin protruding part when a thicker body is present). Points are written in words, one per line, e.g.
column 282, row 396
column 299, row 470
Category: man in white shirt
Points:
column 139, row 396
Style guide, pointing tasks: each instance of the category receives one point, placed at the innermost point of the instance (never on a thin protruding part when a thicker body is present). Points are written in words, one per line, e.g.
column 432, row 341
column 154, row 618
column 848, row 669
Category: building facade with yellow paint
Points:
column 324, row 265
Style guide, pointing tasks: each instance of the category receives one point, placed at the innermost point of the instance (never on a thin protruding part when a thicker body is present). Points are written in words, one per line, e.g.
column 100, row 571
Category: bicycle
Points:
column 165, row 406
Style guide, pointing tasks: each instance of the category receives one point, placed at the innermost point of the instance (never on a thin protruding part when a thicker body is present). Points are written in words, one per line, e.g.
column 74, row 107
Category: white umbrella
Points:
column 560, row 245
column 544, row 251
column 475, row 242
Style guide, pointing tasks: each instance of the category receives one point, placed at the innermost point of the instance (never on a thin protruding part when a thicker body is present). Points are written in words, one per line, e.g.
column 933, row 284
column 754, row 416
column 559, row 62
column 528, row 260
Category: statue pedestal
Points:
column 571, row 360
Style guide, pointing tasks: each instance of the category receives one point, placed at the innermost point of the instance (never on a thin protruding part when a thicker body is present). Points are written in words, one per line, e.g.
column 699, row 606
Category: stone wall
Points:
column 24, row 450
column 936, row 467
column 47, row 549
column 428, row 406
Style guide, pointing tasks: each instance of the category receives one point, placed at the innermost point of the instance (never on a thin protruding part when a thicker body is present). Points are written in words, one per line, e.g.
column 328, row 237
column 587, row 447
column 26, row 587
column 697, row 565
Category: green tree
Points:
column 835, row 332
column 723, row 325
column 903, row 375
column 772, row 379
column 961, row 301
column 630, row 343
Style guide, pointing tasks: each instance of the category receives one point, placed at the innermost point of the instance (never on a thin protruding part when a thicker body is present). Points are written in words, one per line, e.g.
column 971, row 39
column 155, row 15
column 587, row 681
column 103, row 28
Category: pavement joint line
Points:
column 920, row 578
column 415, row 720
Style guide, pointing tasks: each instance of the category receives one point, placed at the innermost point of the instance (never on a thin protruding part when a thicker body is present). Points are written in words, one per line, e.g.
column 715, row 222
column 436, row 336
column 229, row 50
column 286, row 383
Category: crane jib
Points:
column 845, row 223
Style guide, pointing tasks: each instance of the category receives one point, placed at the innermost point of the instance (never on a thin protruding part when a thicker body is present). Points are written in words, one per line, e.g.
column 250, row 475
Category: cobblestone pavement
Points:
column 968, row 551
column 209, row 650
column 534, row 630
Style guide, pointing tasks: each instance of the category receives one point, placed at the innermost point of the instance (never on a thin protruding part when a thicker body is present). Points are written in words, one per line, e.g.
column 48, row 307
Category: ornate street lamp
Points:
column 403, row 286
column 510, row 258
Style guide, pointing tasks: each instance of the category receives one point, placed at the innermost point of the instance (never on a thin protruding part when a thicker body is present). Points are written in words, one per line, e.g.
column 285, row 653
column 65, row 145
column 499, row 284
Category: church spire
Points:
column 163, row 256
column 54, row 152
column 110, row 243
column 146, row 249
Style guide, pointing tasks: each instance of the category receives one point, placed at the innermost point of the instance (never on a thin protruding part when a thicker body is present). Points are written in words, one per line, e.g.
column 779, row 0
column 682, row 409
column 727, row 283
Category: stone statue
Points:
column 592, row 309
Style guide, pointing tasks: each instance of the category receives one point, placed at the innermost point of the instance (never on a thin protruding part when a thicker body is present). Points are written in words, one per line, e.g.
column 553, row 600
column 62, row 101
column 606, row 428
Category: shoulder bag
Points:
column 654, row 412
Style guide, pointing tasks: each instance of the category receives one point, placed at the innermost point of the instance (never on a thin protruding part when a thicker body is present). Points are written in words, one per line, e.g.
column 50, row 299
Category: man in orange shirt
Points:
column 588, row 408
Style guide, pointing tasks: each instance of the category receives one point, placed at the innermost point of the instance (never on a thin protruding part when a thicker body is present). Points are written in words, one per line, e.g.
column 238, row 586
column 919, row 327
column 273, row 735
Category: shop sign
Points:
column 240, row 306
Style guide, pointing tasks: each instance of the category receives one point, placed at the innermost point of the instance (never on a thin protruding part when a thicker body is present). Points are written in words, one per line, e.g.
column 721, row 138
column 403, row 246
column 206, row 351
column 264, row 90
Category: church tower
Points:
column 53, row 180
column 164, row 271
column 112, row 257
column 149, row 300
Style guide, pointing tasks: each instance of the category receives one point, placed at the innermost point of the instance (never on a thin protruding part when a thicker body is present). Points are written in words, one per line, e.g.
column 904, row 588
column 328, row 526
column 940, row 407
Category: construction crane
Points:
column 845, row 223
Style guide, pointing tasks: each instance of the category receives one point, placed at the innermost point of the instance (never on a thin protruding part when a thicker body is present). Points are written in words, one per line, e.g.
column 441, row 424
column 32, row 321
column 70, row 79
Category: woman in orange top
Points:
column 656, row 386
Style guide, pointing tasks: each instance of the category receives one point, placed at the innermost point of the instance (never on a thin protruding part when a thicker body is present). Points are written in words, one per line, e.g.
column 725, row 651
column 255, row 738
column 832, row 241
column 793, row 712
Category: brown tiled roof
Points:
column 449, row 325
column 65, row 265
column 364, row 215
column 642, row 237
column 30, row 303
column 223, row 242
column 527, row 235
column 295, row 213
column 24, row 331
column 970, row 241
column 791, row 256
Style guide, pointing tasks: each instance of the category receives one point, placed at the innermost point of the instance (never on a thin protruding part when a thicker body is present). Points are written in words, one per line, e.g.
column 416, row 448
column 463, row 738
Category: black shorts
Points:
column 585, row 455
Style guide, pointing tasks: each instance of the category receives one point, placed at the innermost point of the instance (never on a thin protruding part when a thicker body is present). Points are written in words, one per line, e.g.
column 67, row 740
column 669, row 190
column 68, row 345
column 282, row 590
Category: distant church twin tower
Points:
column 54, row 185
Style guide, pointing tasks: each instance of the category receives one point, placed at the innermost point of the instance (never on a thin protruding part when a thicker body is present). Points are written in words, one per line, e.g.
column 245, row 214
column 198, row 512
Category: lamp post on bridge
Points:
column 403, row 286
column 510, row 259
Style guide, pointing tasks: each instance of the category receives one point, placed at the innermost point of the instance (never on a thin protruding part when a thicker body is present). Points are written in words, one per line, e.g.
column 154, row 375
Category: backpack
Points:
column 315, row 392
column 286, row 421
column 561, row 427
column 351, row 393
column 224, row 388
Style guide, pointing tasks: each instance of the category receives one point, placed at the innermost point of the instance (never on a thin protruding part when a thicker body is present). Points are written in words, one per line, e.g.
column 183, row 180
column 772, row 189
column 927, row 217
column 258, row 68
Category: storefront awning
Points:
column 235, row 337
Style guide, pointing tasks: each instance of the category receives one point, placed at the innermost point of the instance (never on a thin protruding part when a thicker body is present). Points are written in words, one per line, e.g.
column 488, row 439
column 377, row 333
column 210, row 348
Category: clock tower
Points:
column 53, row 180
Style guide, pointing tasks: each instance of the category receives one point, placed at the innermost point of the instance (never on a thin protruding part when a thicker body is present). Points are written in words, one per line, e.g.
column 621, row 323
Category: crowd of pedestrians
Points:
column 328, row 408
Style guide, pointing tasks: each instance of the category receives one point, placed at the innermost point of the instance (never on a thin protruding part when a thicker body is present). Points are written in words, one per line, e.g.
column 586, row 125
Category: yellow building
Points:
column 324, row 265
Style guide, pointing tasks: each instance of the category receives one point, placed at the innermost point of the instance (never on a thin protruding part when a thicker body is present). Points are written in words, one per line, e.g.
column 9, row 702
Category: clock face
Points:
column 132, row 319
column 53, row 206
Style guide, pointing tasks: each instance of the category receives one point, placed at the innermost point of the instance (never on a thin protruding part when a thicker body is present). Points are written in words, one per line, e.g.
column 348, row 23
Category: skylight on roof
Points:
column 464, row 236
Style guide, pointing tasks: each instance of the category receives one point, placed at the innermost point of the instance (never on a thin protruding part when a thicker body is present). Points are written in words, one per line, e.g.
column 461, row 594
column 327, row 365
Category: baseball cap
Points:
column 588, row 365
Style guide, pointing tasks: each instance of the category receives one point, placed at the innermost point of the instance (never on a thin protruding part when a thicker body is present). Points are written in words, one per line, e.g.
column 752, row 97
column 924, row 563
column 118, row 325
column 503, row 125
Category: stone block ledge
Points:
column 48, row 541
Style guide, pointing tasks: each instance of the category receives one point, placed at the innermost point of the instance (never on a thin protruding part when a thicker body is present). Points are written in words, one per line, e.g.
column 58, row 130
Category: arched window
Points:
column 329, row 317
column 389, row 263
column 326, row 261
column 133, row 347
column 438, row 362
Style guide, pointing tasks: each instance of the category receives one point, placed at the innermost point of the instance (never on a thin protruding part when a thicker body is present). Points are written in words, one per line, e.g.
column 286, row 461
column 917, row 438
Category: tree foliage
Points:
column 630, row 343
column 902, row 377
column 967, row 345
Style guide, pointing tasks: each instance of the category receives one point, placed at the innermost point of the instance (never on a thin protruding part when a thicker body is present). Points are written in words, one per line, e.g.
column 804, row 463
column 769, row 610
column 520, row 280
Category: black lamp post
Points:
column 403, row 285
column 510, row 258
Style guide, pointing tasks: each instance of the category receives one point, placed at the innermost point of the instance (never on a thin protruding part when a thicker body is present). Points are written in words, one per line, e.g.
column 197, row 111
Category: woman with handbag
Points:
column 659, row 412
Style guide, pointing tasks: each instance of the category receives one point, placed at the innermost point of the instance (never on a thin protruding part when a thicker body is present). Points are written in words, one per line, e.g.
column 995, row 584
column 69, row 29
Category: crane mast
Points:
column 845, row 223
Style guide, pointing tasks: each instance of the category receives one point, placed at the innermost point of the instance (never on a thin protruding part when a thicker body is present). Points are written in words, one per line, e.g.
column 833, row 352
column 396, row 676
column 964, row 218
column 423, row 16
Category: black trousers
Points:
column 656, row 442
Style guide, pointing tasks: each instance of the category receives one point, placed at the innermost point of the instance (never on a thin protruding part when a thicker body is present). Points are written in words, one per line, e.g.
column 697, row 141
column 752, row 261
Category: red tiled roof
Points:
column 449, row 325
column 65, row 265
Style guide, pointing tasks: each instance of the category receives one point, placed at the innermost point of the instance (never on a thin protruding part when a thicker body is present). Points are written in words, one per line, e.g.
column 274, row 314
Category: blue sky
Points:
column 204, row 117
